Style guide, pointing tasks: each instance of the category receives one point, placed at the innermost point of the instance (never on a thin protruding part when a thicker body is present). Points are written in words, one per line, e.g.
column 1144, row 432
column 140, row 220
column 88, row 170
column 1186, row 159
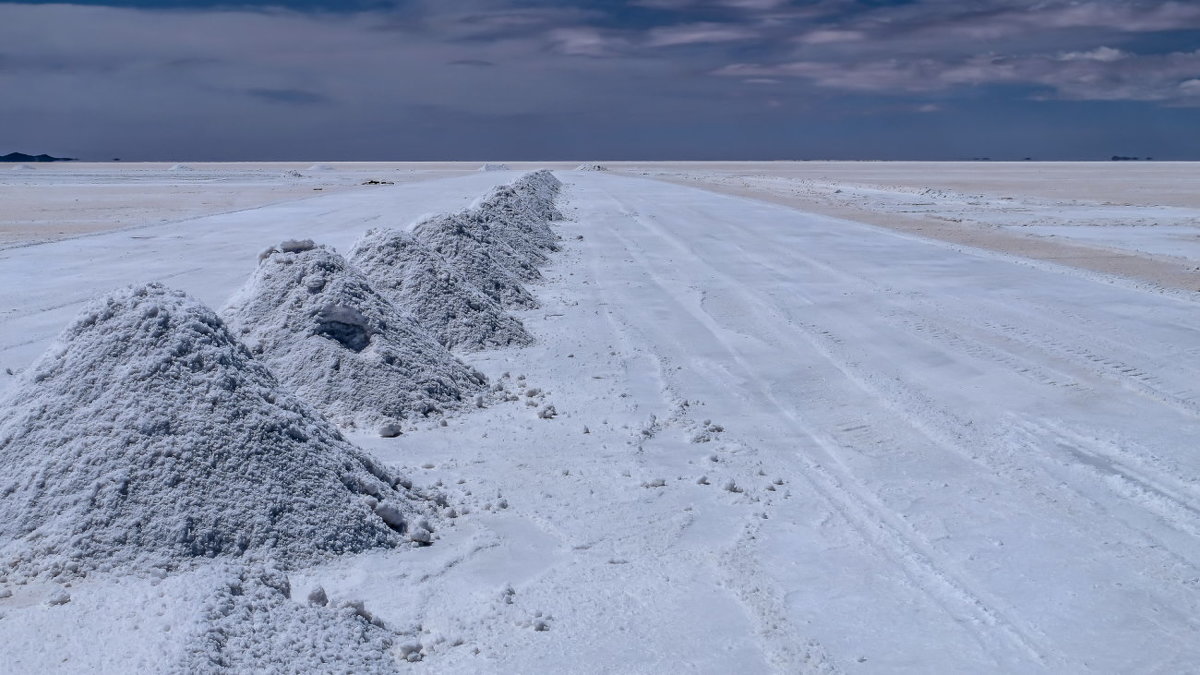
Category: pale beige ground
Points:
column 808, row 186
column 61, row 200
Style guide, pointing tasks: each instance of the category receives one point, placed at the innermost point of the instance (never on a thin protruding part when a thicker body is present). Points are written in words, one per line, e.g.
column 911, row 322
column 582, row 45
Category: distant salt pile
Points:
column 21, row 167
column 179, row 167
column 291, row 173
column 331, row 338
column 147, row 435
column 591, row 167
column 520, row 217
column 494, row 167
column 420, row 281
column 488, row 261
column 320, row 167
column 251, row 624
column 537, row 190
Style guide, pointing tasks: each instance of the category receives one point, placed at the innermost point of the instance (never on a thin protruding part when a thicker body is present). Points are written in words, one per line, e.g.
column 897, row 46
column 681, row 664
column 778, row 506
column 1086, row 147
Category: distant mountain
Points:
column 22, row 157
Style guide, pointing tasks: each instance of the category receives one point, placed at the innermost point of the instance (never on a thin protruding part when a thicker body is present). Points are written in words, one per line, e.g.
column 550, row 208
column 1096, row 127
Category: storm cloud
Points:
column 640, row 79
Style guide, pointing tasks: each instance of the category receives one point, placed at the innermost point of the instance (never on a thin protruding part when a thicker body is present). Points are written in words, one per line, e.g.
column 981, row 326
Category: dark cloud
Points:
column 595, row 78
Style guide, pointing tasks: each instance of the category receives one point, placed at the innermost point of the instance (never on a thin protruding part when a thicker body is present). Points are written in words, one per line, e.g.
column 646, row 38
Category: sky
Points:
column 596, row 80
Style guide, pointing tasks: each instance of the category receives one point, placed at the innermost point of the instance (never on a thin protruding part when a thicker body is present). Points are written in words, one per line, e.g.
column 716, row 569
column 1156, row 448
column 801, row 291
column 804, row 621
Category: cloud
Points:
column 289, row 96
column 826, row 36
column 698, row 33
column 1099, row 76
column 1102, row 54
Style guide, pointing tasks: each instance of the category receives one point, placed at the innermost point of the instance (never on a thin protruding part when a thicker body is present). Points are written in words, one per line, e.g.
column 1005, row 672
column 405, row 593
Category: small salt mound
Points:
column 22, row 167
column 147, row 435
column 179, row 167
column 320, row 167
column 251, row 624
column 487, row 261
column 291, row 173
column 591, row 167
column 494, row 167
column 332, row 339
column 418, row 280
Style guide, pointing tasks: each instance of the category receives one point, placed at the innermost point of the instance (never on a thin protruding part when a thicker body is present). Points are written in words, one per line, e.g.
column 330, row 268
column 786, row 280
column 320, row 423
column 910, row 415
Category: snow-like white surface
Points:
column 780, row 443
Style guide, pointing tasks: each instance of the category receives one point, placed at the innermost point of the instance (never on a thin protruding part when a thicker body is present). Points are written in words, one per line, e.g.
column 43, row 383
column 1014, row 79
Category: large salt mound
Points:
column 420, row 281
column 591, row 167
column 488, row 261
column 332, row 339
column 147, row 435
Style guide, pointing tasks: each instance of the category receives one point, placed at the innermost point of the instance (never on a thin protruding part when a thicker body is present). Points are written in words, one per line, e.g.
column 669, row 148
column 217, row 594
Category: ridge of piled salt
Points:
column 329, row 336
column 147, row 435
column 420, row 281
column 486, row 259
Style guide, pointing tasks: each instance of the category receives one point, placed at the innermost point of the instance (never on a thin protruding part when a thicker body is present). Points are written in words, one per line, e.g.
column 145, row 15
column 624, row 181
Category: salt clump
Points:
column 494, row 167
column 147, row 435
column 420, row 281
column 330, row 337
column 591, row 167
column 251, row 624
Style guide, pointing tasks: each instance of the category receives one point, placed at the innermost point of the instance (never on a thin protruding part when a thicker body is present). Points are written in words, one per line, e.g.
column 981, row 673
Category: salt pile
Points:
column 591, row 167
column 332, row 339
column 251, row 624
column 520, row 216
column 147, row 435
column 179, row 167
column 21, row 167
column 420, row 281
column 320, row 167
column 494, row 167
column 487, row 261
column 537, row 190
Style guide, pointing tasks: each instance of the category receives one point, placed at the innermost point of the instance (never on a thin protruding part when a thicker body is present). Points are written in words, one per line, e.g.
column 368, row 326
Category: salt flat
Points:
column 784, row 442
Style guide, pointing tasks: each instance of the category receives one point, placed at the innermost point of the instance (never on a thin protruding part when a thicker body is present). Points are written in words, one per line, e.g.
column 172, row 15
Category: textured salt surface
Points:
column 338, row 344
column 147, row 435
column 420, row 281
column 251, row 624
column 591, row 167
column 489, row 262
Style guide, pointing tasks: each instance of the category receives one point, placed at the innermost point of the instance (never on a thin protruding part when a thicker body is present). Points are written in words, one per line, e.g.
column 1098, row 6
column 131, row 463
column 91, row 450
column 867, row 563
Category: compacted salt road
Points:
column 990, row 464
column 779, row 442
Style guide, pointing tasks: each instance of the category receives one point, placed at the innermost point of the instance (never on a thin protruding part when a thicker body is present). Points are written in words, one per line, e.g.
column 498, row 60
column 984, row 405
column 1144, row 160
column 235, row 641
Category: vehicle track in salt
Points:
column 904, row 405
column 889, row 533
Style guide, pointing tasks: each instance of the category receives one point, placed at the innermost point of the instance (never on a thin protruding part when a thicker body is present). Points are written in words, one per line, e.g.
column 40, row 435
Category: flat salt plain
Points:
column 789, row 439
